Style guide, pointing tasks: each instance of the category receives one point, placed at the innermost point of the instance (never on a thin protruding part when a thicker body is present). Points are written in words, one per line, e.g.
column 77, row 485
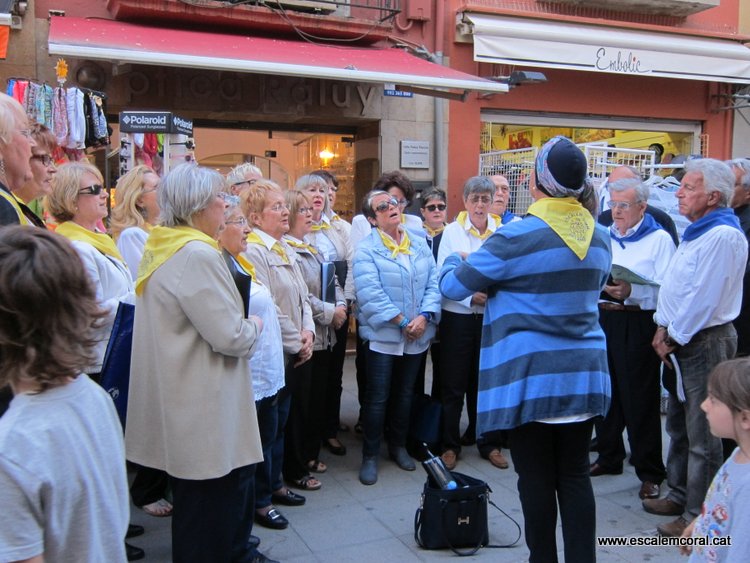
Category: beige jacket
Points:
column 191, row 410
column 338, row 234
column 288, row 289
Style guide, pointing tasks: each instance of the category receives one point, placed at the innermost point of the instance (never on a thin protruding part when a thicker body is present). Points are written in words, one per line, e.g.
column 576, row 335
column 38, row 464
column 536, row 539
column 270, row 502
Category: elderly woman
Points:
column 543, row 368
column 276, row 268
column 241, row 177
column 78, row 202
column 626, row 315
column 461, row 329
column 398, row 305
column 267, row 363
column 42, row 169
column 135, row 212
column 309, row 396
column 434, row 210
column 190, row 409
column 16, row 143
column 330, row 237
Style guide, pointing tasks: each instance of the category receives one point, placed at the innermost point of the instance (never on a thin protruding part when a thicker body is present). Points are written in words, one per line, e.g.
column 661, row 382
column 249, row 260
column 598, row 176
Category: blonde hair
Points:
column 295, row 199
column 255, row 198
column 61, row 202
column 126, row 211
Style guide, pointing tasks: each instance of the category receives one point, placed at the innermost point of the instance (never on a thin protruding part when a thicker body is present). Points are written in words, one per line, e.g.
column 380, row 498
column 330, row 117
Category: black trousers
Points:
column 461, row 337
column 213, row 518
column 149, row 485
column 552, row 463
column 315, row 426
column 333, row 386
column 298, row 385
column 636, row 394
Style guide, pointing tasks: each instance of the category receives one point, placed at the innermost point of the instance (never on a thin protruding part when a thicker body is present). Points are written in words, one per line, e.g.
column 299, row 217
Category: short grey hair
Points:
column 717, row 177
column 742, row 164
column 641, row 190
column 239, row 172
column 308, row 180
column 185, row 191
column 12, row 118
column 478, row 185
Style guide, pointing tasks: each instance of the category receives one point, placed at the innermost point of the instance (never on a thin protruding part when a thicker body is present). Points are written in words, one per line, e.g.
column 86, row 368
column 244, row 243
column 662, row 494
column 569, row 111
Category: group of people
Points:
column 243, row 293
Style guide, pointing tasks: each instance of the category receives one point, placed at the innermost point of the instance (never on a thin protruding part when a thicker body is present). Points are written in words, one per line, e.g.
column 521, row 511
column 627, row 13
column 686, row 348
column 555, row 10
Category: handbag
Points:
column 456, row 518
column 115, row 374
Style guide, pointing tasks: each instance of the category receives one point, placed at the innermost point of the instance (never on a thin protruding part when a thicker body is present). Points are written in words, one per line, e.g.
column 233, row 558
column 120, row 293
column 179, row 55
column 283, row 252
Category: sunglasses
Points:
column 384, row 205
column 94, row 189
column 435, row 207
column 45, row 159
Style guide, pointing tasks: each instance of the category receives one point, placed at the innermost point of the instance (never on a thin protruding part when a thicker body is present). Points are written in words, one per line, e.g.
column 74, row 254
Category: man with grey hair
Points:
column 741, row 205
column 626, row 314
column 698, row 300
column 241, row 177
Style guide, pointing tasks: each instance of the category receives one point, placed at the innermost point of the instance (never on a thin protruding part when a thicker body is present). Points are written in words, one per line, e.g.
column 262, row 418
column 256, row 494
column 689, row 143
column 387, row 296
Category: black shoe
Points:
column 272, row 519
column 335, row 446
column 134, row 530
column 289, row 499
column 253, row 542
column 134, row 553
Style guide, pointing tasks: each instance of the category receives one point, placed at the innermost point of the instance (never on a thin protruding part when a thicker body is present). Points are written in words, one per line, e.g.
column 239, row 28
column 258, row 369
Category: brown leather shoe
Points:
column 662, row 507
column 498, row 459
column 674, row 528
column 648, row 490
column 596, row 470
column 450, row 459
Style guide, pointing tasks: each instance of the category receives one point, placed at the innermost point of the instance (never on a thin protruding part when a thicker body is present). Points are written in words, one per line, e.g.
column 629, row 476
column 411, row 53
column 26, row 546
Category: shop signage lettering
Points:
column 253, row 90
column 628, row 64
column 154, row 122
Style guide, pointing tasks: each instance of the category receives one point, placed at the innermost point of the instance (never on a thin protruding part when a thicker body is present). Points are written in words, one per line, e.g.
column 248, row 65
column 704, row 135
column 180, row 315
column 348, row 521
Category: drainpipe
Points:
column 440, row 149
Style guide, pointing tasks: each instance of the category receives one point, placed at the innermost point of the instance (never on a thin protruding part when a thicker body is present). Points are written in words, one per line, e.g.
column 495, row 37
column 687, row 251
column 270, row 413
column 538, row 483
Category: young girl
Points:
column 726, row 510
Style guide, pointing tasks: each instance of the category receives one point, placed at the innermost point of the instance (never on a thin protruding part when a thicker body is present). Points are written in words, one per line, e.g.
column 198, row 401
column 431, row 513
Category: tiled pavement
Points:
column 347, row 521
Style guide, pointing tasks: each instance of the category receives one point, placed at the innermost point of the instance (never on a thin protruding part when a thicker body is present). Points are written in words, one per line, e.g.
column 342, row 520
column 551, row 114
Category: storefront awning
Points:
column 90, row 38
column 547, row 44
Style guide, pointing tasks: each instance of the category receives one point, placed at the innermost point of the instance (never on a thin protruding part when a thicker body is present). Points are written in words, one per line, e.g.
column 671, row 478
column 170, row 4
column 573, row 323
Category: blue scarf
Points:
column 721, row 216
column 648, row 226
column 507, row 217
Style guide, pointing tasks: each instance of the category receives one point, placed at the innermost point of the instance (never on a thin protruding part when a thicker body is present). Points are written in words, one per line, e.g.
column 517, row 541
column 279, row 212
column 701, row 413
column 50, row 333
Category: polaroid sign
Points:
column 154, row 122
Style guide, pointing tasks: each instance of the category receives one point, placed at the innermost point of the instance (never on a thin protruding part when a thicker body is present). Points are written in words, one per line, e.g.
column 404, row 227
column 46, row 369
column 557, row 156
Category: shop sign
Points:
column 154, row 122
column 618, row 61
column 415, row 154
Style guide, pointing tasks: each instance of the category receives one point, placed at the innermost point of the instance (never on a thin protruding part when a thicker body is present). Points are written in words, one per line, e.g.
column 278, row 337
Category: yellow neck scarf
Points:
column 247, row 266
column 102, row 242
column 303, row 245
column 254, row 238
column 463, row 218
column 322, row 226
column 391, row 245
column 433, row 232
column 10, row 198
column 162, row 243
column 568, row 218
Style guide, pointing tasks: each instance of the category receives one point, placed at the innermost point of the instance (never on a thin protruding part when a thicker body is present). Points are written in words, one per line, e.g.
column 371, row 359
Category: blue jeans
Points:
column 272, row 414
column 695, row 454
column 390, row 388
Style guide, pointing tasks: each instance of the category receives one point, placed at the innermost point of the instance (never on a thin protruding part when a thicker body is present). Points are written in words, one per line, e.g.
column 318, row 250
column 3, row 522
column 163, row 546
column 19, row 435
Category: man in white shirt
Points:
column 641, row 245
column 699, row 298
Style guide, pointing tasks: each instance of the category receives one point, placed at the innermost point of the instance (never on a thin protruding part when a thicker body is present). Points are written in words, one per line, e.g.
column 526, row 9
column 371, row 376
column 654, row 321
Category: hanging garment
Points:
column 60, row 116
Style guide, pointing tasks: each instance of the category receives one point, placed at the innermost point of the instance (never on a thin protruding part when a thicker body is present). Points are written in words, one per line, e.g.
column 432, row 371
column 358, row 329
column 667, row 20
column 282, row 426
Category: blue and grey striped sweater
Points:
column 543, row 352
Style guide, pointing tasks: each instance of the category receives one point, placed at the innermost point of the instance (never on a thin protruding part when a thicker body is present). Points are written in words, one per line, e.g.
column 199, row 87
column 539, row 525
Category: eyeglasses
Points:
column 94, row 189
column 241, row 222
column 435, row 207
column 304, row 210
column 279, row 207
column 384, row 205
column 624, row 205
column 25, row 132
column 480, row 199
column 45, row 159
column 248, row 182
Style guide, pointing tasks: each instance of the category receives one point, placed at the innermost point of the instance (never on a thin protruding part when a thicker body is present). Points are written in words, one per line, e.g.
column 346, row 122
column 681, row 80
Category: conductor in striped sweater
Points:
column 543, row 372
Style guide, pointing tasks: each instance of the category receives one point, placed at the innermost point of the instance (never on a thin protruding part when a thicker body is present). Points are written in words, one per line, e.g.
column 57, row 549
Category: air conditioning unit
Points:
column 313, row 6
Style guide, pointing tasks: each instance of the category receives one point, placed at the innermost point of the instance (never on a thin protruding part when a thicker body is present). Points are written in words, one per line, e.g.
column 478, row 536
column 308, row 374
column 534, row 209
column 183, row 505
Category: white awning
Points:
column 547, row 44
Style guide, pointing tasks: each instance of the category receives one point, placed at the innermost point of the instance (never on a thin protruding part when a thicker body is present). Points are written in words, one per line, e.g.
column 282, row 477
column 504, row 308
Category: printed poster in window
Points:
column 520, row 139
column 592, row 135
